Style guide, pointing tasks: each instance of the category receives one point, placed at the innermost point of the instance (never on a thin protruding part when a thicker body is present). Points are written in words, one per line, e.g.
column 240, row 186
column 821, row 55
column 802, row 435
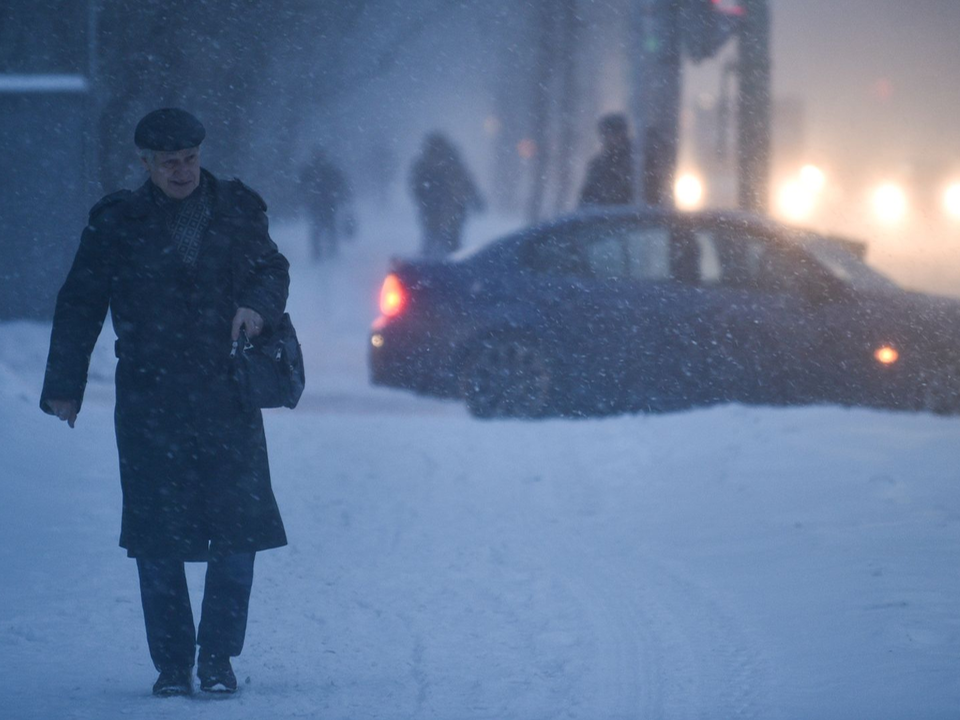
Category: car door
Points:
column 599, row 321
column 570, row 322
column 764, row 334
column 667, row 307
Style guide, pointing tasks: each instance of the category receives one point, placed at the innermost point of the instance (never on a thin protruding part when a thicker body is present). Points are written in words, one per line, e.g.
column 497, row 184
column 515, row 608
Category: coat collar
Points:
column 141, row 204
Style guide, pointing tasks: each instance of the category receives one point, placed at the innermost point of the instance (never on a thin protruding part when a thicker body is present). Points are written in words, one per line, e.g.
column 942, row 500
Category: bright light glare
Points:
column 688, row 192
column 393, row 297
column 526, row 148
column 812, row 178
column 951, row 201
column 890, row 203
column 886, row 355
column 796, row 200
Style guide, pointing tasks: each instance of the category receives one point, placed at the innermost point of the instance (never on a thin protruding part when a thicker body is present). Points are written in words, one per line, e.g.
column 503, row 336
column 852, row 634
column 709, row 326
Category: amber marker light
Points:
column 393, row 297
column 886, row 355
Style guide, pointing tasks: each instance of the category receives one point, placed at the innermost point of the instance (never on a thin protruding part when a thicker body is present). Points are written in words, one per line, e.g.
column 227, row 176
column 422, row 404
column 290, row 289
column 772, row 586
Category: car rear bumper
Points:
column 401, row 356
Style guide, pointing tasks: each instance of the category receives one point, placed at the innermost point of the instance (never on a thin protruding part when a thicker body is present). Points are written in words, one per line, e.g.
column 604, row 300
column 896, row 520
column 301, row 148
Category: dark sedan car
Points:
column 629, row 310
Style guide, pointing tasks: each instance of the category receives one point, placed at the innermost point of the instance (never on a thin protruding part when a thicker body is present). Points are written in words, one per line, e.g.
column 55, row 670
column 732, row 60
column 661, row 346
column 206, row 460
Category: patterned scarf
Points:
column 187, row 220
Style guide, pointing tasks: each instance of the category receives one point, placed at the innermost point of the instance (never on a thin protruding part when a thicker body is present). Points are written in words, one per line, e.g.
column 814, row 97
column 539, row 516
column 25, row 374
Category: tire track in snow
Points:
column 669, row 647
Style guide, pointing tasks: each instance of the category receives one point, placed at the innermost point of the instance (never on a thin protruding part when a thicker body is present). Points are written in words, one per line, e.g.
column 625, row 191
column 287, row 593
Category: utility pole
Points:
column 568, row 35
column 655, row 104
column 753, row 147
column 91, row 140
column 544, row 18
column 643, row 43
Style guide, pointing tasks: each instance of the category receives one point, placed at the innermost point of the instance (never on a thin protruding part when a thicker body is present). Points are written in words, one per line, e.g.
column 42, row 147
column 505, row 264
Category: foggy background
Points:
column 864, row 89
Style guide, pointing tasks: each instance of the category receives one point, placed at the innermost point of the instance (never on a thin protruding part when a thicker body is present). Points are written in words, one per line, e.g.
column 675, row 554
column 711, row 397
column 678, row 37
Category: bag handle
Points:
column 247, row 345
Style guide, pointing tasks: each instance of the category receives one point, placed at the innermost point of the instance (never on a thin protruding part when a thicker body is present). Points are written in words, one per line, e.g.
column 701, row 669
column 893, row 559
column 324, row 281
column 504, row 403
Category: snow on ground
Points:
column 718, row 563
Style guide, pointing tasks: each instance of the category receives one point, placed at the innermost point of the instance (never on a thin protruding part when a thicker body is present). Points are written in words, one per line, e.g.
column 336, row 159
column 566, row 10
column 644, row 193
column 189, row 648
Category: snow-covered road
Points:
column 720, row 563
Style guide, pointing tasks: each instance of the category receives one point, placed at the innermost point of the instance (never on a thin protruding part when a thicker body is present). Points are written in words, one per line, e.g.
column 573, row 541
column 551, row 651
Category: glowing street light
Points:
column 796, row 200
column 890, row 203
column 951, row 201
column 812, row 178
column 688, row 192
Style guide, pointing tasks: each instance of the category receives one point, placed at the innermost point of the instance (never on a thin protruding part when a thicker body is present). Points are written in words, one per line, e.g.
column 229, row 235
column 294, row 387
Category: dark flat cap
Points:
column 168, row 130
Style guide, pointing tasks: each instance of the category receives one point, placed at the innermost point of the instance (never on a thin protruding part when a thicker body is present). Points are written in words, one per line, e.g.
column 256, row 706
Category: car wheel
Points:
column 506, row 377
column 940, row 390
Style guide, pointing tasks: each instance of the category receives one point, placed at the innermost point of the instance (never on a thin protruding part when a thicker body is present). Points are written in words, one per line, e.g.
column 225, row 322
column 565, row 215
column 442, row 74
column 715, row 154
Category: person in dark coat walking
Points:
column 326, row 196
column 444, row 193
column 184, row 263
column 609, row 178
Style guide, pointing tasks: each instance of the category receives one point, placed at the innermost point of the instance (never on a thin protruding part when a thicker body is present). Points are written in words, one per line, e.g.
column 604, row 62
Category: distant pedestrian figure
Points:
column 326, row 197
column 444, row 194
column 609, row 178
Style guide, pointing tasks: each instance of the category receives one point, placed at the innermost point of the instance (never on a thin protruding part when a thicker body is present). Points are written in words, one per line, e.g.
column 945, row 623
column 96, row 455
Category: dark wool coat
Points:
column 444, row 191
column 193, row 463
column 609, row 178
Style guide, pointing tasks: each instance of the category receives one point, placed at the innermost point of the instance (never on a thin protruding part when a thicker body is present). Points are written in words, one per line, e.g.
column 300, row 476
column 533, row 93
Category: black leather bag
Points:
column 269, row 369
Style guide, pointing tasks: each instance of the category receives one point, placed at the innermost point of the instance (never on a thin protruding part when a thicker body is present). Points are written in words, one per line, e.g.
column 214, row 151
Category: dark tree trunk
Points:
column 569, row 101
column 542, row 78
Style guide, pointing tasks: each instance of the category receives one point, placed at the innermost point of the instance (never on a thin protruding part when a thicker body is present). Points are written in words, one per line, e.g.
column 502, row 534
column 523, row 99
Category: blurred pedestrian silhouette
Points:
column 609, row 178
column 444, row 194
column 327, row 198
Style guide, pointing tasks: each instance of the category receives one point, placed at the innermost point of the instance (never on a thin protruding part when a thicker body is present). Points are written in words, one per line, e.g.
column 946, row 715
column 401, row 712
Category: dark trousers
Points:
column 169, row 617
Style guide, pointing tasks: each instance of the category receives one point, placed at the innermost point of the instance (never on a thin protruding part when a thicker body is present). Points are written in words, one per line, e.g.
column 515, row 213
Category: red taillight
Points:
column 393, row 296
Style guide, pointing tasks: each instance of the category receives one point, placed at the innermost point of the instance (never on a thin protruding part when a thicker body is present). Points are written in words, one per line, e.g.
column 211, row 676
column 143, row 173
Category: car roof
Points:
column 758, row 223
column 634, row 212
column 739, row 217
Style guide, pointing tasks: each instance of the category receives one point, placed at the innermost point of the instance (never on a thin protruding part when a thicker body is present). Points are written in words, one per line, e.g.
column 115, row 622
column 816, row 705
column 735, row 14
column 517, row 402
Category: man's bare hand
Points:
column 65, row 410
column 249, row 320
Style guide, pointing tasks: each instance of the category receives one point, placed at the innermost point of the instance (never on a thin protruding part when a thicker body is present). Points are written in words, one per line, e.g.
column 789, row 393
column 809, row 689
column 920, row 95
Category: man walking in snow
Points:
column 184, row 263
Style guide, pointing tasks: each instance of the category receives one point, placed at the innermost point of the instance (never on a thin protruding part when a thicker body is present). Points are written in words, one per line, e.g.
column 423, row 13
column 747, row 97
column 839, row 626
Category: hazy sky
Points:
column 879, row 77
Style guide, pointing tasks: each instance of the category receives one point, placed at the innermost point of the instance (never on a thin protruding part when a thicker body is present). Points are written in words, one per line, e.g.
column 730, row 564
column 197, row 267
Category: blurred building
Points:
column 712, row 138
column 789, row 140
column 44, row 131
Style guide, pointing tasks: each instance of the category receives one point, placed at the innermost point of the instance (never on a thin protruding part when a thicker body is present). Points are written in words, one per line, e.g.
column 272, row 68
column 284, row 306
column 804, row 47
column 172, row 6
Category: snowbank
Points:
column 727, row 562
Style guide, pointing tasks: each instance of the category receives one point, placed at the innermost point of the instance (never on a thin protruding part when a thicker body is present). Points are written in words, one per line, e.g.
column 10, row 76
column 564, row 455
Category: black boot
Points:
column 174, row 681
column 216, row 674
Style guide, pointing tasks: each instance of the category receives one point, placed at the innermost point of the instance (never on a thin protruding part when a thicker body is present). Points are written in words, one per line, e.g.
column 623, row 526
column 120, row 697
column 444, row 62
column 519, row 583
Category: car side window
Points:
column 648, row 252
column 555, row 253
column 711, row 269
column 755, row 262
column 604, row 255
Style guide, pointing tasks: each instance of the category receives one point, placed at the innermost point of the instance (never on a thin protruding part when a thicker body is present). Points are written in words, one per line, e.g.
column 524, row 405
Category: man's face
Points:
column 176, row 173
